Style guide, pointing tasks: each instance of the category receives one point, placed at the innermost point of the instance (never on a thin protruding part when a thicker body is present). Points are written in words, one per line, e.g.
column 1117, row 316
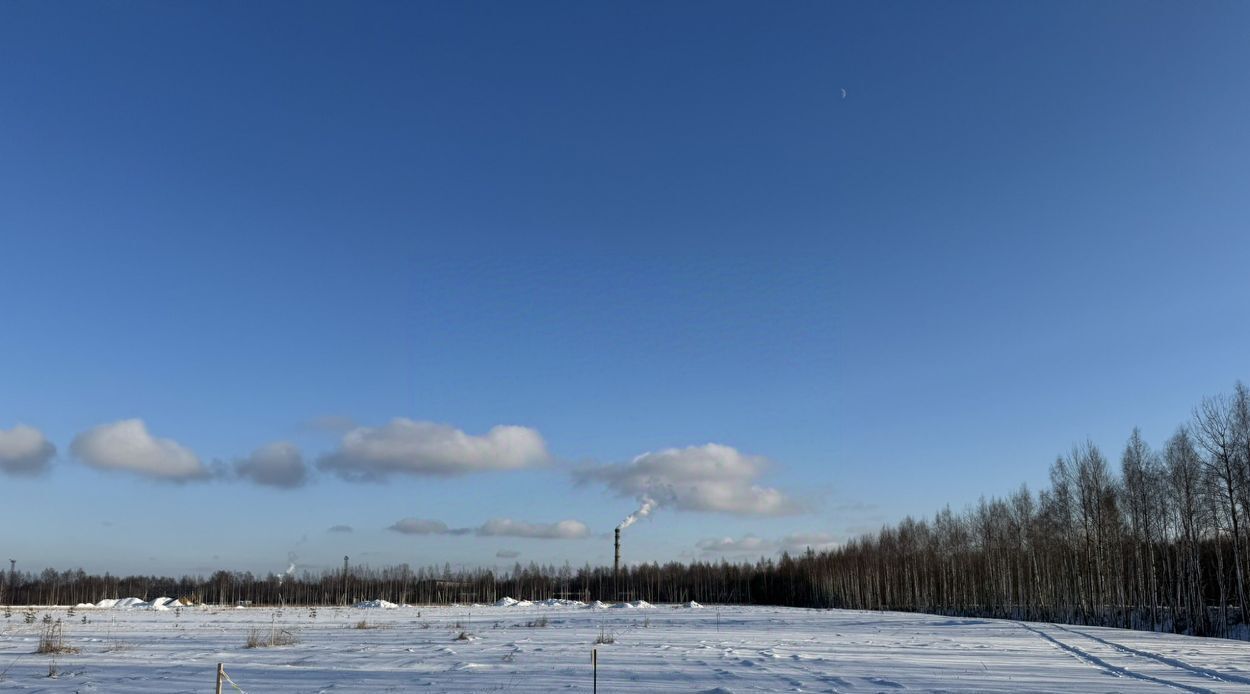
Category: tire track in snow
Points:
column 1116, row 670
column 1166, row 660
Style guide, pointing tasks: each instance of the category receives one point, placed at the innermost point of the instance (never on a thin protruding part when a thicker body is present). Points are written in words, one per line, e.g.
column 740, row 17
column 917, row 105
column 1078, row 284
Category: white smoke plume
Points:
column 648, row 505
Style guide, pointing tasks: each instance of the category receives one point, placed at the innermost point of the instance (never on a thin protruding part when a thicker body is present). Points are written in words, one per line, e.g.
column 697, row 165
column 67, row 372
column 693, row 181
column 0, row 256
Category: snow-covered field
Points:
column 661, row 649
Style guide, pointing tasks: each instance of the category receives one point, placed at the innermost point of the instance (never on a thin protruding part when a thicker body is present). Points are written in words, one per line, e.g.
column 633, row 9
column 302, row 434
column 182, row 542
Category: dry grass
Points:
column 52, row 640
column 260, row 638
column 604, row 637
column 364, row 624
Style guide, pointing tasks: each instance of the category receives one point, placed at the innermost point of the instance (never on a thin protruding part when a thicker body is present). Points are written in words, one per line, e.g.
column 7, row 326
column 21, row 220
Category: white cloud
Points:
column 127, row 446
column 419, row 526
column 427, row 448
column 751, row 544
column 729, row 545
column 507, row 554
column 506, row 527
column 277, row 464
column 799, row 542
column 496, row 527
column 24, row 451
column 340, row 529
column 696, row 478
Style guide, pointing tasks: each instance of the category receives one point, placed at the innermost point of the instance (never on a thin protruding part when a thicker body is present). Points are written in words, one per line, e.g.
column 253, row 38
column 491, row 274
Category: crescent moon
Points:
column 843, row 93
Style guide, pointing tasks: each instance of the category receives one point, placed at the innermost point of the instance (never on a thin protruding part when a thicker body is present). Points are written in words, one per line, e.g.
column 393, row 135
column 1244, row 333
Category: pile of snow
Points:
column 559, row 602
column 161, row 604
column 376, row 605
column 692, row 605
column 83, row 606
column 505, row 602
column 597, row 605
column 522, row 603
column 635, row 605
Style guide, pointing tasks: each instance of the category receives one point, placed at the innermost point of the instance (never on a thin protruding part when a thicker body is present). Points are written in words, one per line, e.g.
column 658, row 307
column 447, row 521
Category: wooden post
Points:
column 594, row 664
column 221, row 675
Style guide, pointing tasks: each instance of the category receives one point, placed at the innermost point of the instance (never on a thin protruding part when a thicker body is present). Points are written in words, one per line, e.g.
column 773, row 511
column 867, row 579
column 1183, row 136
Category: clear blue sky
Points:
column 627, row 228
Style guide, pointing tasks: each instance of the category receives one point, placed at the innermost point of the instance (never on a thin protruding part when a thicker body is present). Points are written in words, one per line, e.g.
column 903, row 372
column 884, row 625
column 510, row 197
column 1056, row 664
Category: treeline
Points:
column 1160, row 541
column 766, row 581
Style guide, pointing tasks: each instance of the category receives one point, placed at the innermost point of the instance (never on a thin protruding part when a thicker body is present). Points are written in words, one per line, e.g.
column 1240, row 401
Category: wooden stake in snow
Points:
column 594, row 664
column 221, row 674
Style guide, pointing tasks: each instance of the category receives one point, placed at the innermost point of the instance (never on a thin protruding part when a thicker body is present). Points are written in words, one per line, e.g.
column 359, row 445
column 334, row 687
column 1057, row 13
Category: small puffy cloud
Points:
column 751, row 544
column 419, row 526
column 507, row 554
column 24, row 451
column 506, row 527
column 340, row 529
column 729, row 545
column 696, row 478
column 799, row 542
column 127, row 446
column 277, row 464
column 428, row 448
column 496, row 527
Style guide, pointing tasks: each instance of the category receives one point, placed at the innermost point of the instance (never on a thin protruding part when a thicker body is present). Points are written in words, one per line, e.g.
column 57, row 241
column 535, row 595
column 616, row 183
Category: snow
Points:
column 509, row 648
column 635, row 605
column 376, row 605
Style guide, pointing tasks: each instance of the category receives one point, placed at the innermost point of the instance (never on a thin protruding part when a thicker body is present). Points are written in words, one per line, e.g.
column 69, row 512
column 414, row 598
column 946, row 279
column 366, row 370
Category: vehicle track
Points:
column 1116, row 670
column 1166, row 660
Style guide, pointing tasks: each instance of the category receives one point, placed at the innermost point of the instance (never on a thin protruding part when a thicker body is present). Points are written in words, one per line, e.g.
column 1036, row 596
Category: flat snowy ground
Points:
column 665, row 649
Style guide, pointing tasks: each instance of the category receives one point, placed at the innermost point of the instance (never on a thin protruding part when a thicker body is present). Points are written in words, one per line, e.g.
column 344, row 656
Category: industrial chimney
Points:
column 616, row 565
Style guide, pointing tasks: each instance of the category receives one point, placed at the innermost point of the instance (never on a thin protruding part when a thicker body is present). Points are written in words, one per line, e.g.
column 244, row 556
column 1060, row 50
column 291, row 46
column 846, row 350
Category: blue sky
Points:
column 624, row 228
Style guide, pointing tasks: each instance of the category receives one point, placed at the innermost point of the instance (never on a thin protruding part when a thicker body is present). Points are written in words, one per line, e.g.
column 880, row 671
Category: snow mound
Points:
column 505, row 602
column 129, row 603
column 107, row 603
column 635, row 605
column 597, row 605
column 522, row 603
column 378, row 604
column 692, row 605
column 559, row 602
column 83, row 606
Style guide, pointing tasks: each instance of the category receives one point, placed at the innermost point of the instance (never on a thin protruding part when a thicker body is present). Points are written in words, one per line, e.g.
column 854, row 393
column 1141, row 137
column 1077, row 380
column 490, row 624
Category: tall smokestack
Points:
column 616, row 565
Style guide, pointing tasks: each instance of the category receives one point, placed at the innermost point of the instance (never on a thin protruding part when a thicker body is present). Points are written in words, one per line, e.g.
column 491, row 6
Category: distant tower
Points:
column 616, row 563
column 344, row 579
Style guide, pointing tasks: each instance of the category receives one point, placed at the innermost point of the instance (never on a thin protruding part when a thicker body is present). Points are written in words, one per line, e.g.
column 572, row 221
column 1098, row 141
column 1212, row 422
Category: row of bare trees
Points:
column 1164, row 543
column 767, row 581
